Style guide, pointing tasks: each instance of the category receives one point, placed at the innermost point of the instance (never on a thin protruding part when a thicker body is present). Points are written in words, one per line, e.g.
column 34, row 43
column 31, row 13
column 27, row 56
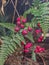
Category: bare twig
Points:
column 14, row 11
column 6, row 3
column 15, row 8
column 31, row 61
column 42, row 59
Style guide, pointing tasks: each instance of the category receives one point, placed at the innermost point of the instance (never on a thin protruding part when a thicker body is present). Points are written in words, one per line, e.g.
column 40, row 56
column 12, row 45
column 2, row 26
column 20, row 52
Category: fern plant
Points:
column 10, row 43
column 6, row 29
column 41, row 14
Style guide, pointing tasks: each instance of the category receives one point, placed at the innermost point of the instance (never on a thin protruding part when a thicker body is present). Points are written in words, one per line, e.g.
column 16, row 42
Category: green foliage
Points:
column 2, row 31
column 20, row 37
column 8, row 26
column 41, row 14
column 4, row 18
column 40, row 11
column 33, row 54
column 6, row 29
column 30, row 37
column 10, row 43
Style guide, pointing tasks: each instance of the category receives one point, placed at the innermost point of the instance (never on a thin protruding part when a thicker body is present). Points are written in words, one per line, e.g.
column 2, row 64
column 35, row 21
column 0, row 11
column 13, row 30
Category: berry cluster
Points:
column 27, row 47
column 38, row 34
column 39, row 49
column 25, row 31
column 20, row 21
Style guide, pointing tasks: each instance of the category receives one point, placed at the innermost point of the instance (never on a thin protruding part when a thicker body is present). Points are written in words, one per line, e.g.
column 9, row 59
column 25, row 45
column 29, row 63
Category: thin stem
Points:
column 33, row 54
column 15, row 8
column 14, row 11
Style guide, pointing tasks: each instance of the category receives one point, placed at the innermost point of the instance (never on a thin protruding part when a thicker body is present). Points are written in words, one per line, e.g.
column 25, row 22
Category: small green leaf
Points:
column 33, row 54
column 8, row 26
column 17, row 41
column 20, row 37
column 30, row 37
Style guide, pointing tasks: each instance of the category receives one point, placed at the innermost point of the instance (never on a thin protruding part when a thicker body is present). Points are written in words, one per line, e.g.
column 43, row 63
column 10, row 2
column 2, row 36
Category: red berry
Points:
column 36, row 51
column 42, row 49
column 38, row 47
column 22, row 26
column 17, row 29
column 26, row 51
column 41, row 37
column 28, row 45
column 38, row 24
column 24, row 20
column 18, row 23
column 37, row 31
column 24, row 32
column 18, row 19
column 29, row 29
column 39, row 40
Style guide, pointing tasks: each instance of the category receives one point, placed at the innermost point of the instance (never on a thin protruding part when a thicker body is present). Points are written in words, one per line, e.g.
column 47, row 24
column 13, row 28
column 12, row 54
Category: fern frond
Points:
column 30, row 37
column 8, row 26
column 41, row 14
column 20, row 37
column 10, row 44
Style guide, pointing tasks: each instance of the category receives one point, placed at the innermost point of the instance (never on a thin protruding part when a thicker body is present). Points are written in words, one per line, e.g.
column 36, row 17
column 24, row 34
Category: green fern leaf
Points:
column 8, row 26
column 20, row 37
column 30, row 37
